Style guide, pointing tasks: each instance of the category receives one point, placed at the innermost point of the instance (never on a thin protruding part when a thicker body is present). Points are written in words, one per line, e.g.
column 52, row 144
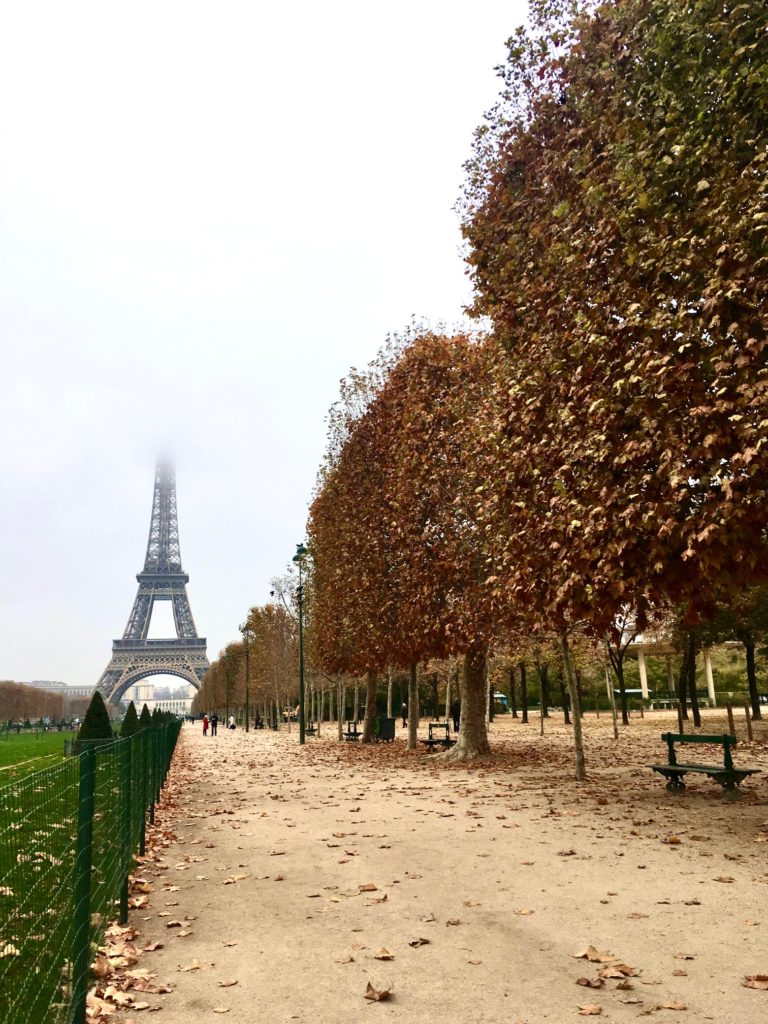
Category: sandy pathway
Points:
column 507, row 873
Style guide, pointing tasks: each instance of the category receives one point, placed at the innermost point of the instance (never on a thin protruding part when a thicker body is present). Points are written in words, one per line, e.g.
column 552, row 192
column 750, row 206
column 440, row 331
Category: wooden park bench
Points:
column 352, row 733
column 438, row 736
column 309, row 729
column 727, row 775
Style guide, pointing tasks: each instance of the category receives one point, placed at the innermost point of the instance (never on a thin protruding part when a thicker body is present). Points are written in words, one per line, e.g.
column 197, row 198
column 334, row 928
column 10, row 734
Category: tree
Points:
column 398, row 564
column 617, row 224
column 130, row 724
column 145, row 718
column 96, row 724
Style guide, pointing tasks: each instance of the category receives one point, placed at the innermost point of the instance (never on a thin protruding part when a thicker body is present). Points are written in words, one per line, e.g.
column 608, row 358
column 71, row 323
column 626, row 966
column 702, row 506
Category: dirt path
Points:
column 294, row 866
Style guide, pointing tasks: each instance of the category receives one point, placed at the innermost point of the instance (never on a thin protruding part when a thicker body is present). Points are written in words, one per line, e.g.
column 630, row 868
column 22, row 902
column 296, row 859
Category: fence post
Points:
column 144, row 789
column 81, row 953
column 126, row 782
column 151, row 772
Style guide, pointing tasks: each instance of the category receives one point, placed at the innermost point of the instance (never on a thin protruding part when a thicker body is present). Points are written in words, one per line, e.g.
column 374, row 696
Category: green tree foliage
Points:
column 96, row 724
column 145, row 718
column 130, row 723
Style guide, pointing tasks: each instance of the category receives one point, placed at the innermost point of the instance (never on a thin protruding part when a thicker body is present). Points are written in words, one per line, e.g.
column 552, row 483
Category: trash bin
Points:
column 386, row 730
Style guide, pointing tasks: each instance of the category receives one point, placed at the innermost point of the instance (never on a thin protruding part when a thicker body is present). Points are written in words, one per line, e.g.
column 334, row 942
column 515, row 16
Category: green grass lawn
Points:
column 26, row 753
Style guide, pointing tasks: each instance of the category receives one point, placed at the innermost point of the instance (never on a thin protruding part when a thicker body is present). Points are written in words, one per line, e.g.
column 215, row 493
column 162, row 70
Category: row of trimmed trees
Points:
column 602, row 450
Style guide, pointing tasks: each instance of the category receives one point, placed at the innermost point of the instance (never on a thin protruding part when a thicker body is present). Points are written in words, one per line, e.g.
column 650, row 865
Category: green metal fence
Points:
column 68, row 838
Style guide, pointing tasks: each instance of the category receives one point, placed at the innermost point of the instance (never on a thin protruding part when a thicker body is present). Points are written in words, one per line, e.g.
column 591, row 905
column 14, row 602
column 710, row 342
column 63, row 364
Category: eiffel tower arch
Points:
column 134, row 657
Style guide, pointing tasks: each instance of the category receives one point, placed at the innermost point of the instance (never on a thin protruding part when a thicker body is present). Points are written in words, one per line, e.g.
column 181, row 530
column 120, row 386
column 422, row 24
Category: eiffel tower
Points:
column 134, row 656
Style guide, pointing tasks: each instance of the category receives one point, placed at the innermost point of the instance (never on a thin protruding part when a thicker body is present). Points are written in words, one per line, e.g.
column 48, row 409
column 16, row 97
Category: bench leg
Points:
column 675, row 784
column 731, row 789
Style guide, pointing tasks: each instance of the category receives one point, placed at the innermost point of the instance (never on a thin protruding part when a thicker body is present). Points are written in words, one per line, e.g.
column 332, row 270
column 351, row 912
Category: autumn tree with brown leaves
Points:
column 398, row 566
column 617, row 213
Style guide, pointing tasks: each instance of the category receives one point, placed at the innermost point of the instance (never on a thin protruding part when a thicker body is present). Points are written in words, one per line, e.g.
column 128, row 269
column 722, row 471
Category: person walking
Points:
column 205, row 725
column 456, row 713
column 214, row 723
column 404, row 713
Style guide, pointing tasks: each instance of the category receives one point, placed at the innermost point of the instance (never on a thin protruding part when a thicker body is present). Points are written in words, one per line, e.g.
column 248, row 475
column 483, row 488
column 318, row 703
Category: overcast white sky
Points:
column 208, row 212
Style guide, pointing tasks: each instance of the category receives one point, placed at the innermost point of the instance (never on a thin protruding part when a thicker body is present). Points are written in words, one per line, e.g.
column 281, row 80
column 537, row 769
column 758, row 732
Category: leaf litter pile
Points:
column 398, row 872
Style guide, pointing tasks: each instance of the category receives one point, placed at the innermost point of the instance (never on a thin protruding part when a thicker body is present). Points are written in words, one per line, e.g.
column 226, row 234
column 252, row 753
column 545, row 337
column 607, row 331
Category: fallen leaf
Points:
column 759, row 981
column 152, row 947
column 196, row 965
column 723, row 878
column 383, row 954
column 418, row 942
column 590, row 982
column 593, row 955
column 221, row 1009
column 590, row 1010
column 672, row 840
column 228, row 984
column 672, row 1006
column 377, row 995
column 367, row 887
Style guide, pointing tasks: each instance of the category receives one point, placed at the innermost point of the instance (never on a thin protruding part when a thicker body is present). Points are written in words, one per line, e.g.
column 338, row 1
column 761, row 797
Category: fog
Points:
column 208, row 213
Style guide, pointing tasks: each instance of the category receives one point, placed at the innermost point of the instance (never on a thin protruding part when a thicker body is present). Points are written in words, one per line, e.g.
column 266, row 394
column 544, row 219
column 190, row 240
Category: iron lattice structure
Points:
column 134, row 657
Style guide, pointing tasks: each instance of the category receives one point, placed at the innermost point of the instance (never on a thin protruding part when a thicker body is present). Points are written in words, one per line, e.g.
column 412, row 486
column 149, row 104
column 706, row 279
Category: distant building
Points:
column 179, row 701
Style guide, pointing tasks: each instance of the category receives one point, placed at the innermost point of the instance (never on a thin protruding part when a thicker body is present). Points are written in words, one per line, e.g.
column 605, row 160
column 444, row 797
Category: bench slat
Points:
column 685, row 737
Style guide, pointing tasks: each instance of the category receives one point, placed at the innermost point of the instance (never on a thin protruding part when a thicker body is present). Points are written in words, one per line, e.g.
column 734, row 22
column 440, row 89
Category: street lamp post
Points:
column 245, row 634
column 297, row 558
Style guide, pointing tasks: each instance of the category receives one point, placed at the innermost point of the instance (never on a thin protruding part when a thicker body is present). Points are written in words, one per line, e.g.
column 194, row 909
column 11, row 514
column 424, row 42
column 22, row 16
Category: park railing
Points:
column 68, row 839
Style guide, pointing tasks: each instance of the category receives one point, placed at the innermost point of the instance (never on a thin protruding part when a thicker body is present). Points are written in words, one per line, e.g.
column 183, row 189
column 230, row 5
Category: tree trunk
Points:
column 389, row 692
column 447, row 694
column 435, row 701
column 489, row 685
column 512, row 697
column 564, row 698
column 370, row 707
column 543, row 671
column 691, row 639
column 342, row 703
column 473, row 735
column 682, row 684
column 320, row 709
column 619, row 668
column 754, row 699
column 356, row 704
column 413, row 706
column 578, row 742
column 524, row 692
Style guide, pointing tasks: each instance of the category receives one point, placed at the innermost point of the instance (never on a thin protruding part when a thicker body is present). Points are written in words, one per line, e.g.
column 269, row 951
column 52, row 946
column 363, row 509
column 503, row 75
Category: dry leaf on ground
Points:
column 759, row 981
column 377, row 995
column 590, row 1010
